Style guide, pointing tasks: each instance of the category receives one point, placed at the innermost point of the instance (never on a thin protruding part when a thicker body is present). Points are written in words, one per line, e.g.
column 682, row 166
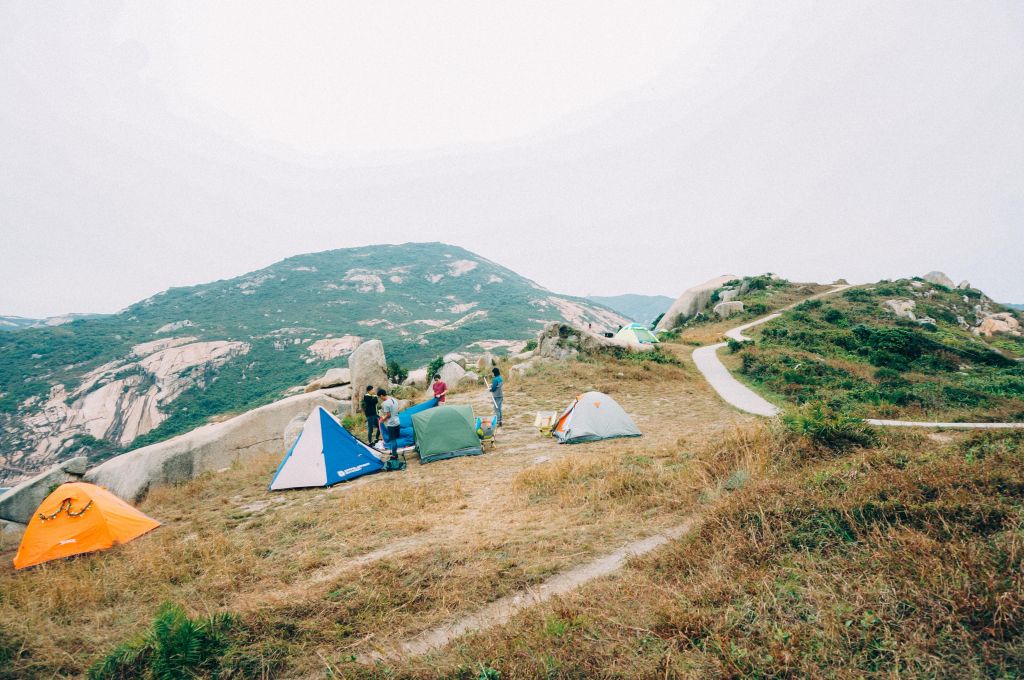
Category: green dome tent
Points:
column 445, row 432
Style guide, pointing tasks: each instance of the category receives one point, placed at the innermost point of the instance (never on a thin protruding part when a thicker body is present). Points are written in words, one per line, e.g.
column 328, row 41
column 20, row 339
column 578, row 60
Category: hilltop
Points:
column 171, row 362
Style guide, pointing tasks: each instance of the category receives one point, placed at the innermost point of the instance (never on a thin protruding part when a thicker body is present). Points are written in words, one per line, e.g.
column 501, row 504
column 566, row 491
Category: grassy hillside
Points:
column 640, row 308
column 808, row 557
column 421, row 300
column 856, row 355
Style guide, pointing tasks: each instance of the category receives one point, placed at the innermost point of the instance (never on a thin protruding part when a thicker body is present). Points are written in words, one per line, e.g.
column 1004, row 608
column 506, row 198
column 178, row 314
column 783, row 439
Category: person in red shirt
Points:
column 440, row 389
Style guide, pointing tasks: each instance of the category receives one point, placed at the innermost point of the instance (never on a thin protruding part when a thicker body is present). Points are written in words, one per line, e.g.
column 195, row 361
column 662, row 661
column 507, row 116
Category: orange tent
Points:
column 79, row 518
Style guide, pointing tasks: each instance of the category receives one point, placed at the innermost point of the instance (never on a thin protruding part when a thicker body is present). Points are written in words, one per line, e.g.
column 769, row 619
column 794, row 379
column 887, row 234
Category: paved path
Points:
column 745, row 399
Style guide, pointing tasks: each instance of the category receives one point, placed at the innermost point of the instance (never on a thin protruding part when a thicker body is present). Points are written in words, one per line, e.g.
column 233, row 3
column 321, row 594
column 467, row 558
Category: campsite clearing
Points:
column 364, row 565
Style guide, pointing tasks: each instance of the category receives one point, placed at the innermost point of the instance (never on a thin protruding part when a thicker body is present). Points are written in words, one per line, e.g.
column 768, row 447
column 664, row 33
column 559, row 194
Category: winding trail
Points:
column 502, row 610
column 735, row 393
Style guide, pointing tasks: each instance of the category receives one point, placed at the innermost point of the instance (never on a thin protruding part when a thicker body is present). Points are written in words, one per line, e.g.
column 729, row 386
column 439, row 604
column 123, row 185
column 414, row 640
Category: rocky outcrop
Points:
column 368, row 367
column 939, row 279
column 121, row 399
column 724, row 310
column 293, row 429
column 455, row 357
column 19, row 503
column 692, row 301
column 963, row 285
column 1000, row 323
column 901, row 308
column 452, row 373
column 485, row 363
column 560, row 341
column 206, row 449
column 416, row 378
column 333, row 378
column 332, row 348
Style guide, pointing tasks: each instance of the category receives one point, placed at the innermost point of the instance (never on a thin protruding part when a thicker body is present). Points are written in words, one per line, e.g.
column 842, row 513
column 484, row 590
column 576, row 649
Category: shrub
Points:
column 434, row 366
column 737, row 346
column 828, row 427
column 175, row 646
column 808, row 305
column 834, row 316
column 530, row 346
column 396, row 373
column 756, row 308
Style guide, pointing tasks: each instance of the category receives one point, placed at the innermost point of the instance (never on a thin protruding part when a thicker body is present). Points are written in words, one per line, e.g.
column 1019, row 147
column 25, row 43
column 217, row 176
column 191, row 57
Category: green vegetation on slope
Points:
column 852, row 353
column 419, row 299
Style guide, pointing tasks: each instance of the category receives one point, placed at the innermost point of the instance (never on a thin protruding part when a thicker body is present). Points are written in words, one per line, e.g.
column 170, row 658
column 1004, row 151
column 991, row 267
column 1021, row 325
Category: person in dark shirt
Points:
column 372, row 420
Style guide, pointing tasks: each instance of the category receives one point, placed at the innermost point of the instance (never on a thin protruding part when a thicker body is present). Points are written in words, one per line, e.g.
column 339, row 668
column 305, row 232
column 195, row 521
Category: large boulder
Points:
column 293, row 429
column 416, row 378
column 19, row 503
column 963, row 285
column 456, row 358
column 691, row 302
column 1003, row 322
column 940, row 279
column 333, row 378
column 901, row 308
column 726, row 309
column 485, row 363
column 561, row 341
column 452, row 373
column 369, row 367
column 209, row 448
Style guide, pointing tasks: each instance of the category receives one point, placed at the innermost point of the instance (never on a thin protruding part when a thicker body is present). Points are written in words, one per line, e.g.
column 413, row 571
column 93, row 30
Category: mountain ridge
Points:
column 167, row 363
column 640, row 308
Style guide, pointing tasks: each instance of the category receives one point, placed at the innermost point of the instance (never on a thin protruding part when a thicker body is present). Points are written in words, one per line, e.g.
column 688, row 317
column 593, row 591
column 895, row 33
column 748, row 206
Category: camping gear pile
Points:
column 406, row 440
column 485, row 431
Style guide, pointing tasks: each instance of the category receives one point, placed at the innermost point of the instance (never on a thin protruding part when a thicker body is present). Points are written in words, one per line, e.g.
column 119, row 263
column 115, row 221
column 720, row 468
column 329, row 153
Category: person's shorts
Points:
column 394, row 431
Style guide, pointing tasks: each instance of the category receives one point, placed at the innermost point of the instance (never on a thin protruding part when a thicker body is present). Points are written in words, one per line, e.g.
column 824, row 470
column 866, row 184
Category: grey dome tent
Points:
column 591, row 417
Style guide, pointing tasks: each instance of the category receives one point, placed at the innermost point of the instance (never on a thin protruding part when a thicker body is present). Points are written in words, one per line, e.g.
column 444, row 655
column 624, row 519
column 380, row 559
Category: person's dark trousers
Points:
column 497, row 411
column 393, row 433
column 372, row 429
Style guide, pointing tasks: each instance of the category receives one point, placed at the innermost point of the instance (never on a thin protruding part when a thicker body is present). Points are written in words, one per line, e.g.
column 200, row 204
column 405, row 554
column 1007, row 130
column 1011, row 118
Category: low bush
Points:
column 175, row 646
column 829, row 428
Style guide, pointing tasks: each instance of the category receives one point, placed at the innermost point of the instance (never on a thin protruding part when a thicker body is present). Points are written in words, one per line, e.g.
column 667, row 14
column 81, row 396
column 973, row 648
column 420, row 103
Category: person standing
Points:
column 440, row 389
column 389, row 416
column 372, row 420
column 497, row 394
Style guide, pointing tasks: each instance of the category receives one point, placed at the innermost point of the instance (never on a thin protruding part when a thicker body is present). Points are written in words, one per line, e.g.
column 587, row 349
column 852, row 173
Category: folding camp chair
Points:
column 544, row 421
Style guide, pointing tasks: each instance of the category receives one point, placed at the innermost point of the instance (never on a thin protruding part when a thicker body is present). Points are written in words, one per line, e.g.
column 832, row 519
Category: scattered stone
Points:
column 471, row 376
column 901, row 308
column 1002, row 322
column 726, row 309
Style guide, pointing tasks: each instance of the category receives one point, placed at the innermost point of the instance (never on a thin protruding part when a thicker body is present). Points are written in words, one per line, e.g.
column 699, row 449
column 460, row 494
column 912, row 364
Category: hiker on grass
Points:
column 370, row 411
column 497, row 394
column 440, row 389
column 389, row 416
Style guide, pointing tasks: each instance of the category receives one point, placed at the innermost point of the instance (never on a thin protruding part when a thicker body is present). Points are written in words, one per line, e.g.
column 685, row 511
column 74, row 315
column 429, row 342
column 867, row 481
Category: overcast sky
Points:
column 595, row 147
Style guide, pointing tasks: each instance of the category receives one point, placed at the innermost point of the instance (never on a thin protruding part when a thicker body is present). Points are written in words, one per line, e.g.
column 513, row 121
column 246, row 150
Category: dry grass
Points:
column 901, row 561
column 318, row 574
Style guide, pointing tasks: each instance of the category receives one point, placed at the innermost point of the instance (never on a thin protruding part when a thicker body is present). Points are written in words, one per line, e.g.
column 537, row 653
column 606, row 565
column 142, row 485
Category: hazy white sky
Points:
column 596, row 147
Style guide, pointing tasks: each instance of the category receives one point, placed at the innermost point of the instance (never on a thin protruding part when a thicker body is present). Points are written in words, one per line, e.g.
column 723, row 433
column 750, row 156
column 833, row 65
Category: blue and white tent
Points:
column 324, row 454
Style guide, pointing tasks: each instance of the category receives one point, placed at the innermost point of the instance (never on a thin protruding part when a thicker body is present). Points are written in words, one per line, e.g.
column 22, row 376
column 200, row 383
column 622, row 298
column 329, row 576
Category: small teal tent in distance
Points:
column 324, row 454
